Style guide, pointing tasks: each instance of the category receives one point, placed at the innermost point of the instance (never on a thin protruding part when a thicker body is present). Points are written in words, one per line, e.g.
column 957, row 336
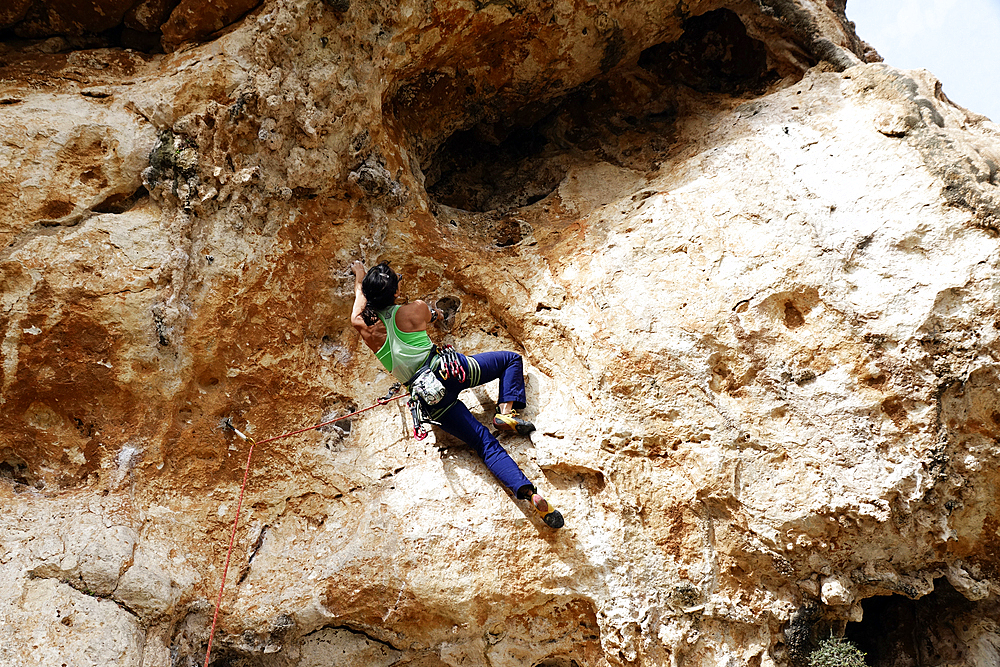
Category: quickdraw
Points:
column 416, row 414
column 390, row 395
column 450, row 364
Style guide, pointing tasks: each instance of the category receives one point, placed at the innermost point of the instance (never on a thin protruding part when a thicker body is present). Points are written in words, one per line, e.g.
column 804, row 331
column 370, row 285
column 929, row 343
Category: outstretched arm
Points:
column 359, row 300
column 373, row 335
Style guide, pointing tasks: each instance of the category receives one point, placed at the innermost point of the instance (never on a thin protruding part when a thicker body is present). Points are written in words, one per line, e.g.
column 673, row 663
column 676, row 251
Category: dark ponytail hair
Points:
column 379, row 288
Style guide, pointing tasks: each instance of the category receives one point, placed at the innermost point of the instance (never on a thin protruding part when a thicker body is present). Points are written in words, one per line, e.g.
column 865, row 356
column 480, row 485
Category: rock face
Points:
column 144, row 25
column 753, row 274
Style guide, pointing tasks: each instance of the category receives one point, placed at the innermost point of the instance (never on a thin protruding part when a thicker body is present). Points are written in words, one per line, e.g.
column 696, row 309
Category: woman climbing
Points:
column 398, row 337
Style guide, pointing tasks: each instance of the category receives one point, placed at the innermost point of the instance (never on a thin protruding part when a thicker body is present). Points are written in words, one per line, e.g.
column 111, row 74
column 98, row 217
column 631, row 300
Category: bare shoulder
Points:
column 417, row 307
column 417, row 304
column 414, row 316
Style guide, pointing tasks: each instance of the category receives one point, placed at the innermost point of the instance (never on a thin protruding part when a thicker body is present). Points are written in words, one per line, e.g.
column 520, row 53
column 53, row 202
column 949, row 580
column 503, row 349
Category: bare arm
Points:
column 370, row 334
column 359, row 297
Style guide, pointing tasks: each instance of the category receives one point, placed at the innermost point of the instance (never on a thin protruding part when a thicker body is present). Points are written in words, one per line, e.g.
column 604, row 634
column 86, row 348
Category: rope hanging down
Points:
column 246, row 473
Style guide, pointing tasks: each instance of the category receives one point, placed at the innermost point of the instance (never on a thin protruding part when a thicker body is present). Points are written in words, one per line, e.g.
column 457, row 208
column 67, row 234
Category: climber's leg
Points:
column 459, row 422
column 508, row 367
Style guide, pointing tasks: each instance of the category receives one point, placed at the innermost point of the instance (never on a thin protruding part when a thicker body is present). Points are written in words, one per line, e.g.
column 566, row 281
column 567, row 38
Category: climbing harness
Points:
column 246, row 474
column 426, row 389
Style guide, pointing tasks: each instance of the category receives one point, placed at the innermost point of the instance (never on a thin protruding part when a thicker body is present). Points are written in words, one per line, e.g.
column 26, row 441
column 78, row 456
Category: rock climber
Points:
column 397, row 334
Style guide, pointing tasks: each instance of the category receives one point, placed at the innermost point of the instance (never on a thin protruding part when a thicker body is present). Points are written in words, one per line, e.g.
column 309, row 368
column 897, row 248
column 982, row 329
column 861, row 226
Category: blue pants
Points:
column 456, row 419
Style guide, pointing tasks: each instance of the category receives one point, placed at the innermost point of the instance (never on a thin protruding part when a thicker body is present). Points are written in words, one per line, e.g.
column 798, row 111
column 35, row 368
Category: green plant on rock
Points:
column 837, row 652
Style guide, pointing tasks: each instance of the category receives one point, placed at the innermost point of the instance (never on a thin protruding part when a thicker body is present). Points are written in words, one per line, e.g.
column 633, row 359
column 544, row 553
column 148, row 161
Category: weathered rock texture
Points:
column 753, row 273
column 144, row 25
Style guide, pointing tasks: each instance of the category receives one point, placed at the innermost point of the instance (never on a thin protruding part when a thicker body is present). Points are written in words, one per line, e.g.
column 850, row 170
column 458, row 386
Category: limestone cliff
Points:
column 753, row 273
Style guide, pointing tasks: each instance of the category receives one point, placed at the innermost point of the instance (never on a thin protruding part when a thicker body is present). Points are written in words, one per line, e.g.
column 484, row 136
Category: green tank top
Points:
column 403, row 352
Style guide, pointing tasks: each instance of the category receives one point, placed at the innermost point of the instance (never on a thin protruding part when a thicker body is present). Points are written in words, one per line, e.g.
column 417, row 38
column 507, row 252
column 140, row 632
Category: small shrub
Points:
column 837, row 652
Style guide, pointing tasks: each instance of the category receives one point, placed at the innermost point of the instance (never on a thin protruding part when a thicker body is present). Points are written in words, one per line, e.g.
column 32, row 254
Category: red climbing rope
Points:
column 239, row 504
column 384, row 401
column 232, row 539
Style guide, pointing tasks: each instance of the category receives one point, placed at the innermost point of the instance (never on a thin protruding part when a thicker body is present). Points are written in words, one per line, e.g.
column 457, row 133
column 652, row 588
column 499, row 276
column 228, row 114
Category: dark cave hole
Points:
column 121, row 202
column 17, row 472
column 558, row 662
column 120, row 36
column 475, row 172
column 136, row 25
column 897, row 631
column 226, row 657
column 714, row 55
column 521, row 159
column 449, row 305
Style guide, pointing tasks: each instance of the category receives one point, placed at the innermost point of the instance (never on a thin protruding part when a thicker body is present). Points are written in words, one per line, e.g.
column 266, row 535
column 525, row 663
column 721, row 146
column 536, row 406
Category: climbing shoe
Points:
column 512, row 422
column 551, row 516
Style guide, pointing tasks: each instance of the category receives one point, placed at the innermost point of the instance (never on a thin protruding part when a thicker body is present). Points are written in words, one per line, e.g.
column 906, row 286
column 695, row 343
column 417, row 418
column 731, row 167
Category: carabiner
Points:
column 392, row 392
